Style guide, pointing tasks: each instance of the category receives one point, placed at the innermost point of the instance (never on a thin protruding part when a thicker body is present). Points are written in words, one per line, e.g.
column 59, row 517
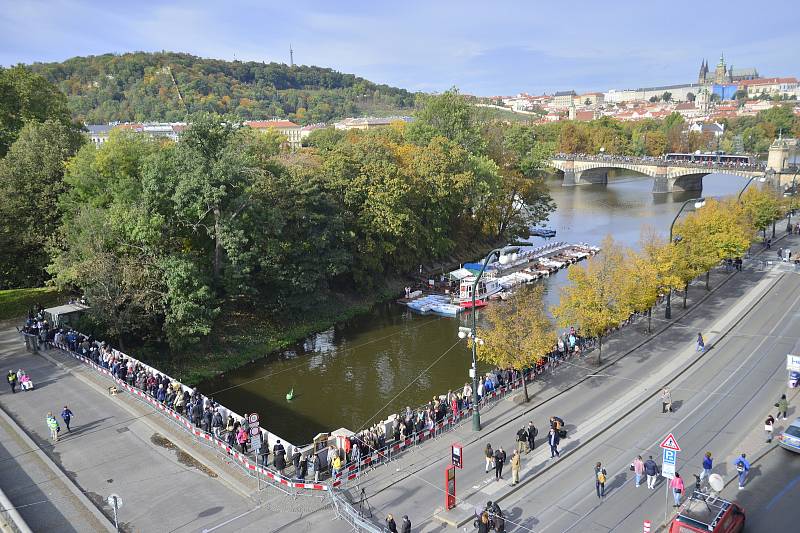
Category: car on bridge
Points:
column 703, row 513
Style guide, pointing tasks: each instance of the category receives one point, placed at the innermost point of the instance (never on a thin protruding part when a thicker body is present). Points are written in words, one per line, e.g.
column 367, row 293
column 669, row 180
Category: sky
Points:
column 484, row 48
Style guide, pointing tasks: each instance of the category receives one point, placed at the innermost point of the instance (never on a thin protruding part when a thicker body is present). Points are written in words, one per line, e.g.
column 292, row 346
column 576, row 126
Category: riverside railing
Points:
column 249, row 465
column 10, row 519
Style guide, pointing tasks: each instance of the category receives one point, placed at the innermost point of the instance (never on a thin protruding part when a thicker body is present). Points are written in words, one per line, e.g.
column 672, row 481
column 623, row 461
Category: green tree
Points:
column 667, row 96
column 519, row 332
column 691, row 97
column 448, row 115
column 31, row 182
column 25, row 97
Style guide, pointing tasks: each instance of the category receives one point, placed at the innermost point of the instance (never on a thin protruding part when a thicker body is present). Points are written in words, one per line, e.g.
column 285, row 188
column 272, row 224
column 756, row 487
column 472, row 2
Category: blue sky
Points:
column 485, row 48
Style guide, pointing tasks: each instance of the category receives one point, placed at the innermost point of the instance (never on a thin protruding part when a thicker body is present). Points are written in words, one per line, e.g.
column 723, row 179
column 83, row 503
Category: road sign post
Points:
column 457, row 455
column 450, row 487
column 115, row 501
column 670, row 458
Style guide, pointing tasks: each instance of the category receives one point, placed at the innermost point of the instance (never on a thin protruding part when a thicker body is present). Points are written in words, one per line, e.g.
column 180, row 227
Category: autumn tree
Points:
column 762, row 207
column 595, row 299
column 641, row 283
column 519, row 332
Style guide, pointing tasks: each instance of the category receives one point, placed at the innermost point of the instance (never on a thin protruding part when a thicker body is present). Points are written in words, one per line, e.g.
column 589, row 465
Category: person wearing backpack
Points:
column 489, row 453
column 742, row 468
column 600, row 480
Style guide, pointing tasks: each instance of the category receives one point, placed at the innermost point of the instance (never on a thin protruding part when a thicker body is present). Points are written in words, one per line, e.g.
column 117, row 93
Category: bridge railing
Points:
column 650, row 160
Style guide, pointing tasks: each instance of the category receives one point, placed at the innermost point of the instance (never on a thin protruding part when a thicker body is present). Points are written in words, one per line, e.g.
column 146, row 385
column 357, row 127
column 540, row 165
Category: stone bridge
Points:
column 668, row 176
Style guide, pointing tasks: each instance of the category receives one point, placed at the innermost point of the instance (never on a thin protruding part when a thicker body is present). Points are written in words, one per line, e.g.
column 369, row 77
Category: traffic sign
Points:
column 255, row 431
column 115, row 501
column 670, row 443
column 253, row 418
column 646, row 526
column 668, row 464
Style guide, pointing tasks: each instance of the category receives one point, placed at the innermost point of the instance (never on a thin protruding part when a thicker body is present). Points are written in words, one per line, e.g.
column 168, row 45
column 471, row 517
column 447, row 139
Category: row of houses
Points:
column 99, row 133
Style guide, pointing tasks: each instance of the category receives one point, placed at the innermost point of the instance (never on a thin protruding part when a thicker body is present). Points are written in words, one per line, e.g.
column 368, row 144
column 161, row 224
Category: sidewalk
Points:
column 109, row 450
column 397, row 486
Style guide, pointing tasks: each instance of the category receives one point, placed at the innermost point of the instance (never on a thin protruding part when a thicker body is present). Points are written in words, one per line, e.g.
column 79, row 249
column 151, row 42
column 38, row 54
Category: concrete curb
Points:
column 633, row 408
column 57, row 471
column 236, row 485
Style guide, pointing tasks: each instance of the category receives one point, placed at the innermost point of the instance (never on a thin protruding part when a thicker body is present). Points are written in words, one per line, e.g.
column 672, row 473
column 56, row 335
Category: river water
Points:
column 359, row 372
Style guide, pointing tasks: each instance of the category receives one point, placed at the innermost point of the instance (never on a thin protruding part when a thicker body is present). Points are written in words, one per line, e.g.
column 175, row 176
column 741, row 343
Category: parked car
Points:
column 790, row 438
column 702, row 513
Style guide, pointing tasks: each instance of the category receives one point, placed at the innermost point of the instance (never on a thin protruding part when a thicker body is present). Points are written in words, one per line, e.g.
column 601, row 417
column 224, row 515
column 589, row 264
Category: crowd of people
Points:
column 651, row 160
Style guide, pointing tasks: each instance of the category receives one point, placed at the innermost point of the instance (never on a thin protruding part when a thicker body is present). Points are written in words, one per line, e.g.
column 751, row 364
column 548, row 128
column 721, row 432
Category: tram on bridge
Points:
column 717, row 158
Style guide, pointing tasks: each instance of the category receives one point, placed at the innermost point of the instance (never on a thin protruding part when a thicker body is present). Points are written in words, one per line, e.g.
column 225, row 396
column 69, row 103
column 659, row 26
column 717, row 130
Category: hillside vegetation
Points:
column 166, row 86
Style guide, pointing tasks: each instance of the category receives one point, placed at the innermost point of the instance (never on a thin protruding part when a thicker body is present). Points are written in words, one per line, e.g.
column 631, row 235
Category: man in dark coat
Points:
column 279, row 453
column 532, row 432
column 296, row 462
column 499, row 460
column 405, row 527
column 553, row 439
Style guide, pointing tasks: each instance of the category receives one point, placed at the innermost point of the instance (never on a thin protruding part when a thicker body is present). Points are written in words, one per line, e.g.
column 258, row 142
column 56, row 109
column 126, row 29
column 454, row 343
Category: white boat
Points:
column 487, row 287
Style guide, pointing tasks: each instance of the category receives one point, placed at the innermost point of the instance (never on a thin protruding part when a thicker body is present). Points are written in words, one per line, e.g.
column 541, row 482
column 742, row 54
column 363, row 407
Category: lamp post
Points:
column 505, row 254
column 698, row 203
column 791, row 205
column 761, row 179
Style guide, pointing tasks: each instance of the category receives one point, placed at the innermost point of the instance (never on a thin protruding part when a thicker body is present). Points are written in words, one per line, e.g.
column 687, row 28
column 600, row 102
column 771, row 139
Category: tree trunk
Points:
column 525, row 387
column 600, row 349
column 217, row 246
column 685, row 294
column 708, row 276
column 649, row 320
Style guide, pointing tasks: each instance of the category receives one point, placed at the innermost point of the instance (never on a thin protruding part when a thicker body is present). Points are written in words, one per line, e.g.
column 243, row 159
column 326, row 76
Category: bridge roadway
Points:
column 750, row 322
column 670, row 176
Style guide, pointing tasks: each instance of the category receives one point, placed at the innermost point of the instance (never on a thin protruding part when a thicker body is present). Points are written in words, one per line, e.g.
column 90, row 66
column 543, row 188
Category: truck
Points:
column 708, row 513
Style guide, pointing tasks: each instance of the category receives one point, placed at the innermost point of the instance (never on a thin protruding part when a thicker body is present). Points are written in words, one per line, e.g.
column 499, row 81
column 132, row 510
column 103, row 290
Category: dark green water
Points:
column 358, row 372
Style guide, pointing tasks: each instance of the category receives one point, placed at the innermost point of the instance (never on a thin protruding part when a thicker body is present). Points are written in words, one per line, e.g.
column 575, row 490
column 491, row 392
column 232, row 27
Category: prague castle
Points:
column 724, row 75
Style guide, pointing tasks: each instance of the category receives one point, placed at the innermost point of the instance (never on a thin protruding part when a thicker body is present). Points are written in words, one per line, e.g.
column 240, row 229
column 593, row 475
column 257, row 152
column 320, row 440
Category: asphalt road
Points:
column 770, row 500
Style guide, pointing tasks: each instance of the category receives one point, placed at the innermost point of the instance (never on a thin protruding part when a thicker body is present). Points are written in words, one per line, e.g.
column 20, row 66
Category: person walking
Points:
column 676, row 484
column 489, row 453
column 66, row 416
column 666, row 400
column 553, row 439
column 515, row 464
column 532, row 432
column 742, row 468
column 638, row 469
column 701, row 344
column 405, row 527
column 499, row 461
column 600, row 480
column 708, row 464
column 783, row 406
column 52, row 425
column 651, row 471
column 12, row 381
column 768, row 426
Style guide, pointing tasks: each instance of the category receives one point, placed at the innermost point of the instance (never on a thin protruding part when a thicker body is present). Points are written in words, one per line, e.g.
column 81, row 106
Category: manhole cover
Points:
column 122, row 430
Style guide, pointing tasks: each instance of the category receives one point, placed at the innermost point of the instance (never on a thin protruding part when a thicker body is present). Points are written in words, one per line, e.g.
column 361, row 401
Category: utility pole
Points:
column 291, row 55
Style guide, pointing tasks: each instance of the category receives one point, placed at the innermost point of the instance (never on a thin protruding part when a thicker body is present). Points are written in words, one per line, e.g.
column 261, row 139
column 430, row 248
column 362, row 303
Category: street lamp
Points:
column 791, row 205
column 761, row 179
column 505, row 255
column 698, row 203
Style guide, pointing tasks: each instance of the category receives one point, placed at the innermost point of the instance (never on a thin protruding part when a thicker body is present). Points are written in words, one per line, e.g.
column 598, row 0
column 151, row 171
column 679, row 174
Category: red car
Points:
column 703, row 513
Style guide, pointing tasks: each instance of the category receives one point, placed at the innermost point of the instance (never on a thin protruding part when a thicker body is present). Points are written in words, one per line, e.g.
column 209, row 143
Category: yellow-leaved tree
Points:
column 595, row 299
column 641, row 283
column 762, row 207
column 519, row 332
column 726, row 233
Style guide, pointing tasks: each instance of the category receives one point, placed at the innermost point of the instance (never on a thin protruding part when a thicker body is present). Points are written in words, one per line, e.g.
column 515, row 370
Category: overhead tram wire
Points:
column 348, row 349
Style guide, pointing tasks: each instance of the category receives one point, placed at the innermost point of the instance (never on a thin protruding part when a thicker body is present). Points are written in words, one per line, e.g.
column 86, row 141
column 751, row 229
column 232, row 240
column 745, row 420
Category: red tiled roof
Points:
column 685, row 106
column 767, row 81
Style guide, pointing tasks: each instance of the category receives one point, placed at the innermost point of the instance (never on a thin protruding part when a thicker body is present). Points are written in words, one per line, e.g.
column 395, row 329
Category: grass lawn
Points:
column 15, row 303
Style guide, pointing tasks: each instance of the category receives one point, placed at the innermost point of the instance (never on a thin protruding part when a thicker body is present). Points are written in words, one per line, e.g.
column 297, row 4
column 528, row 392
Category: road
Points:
column 771, row 497
column 718, row 399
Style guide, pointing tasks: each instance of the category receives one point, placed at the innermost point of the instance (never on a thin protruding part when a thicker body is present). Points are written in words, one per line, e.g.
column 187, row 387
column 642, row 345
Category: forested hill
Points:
column 164, row 86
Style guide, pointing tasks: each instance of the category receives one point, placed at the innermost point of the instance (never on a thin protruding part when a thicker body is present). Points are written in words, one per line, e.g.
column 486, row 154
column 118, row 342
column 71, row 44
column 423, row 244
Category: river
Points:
column 361, row 371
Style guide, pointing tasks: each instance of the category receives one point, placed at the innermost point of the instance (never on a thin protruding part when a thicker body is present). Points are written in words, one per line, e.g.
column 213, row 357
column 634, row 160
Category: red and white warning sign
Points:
column 670, row 443
column 646, row 526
